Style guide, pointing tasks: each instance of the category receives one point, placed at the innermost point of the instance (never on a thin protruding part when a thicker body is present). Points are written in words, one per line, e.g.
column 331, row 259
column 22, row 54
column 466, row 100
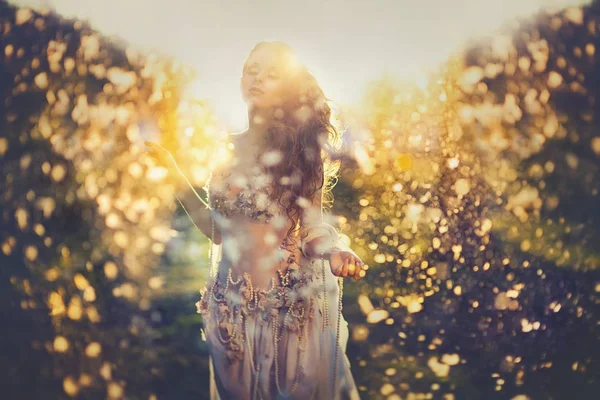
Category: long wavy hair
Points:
column 301, row 131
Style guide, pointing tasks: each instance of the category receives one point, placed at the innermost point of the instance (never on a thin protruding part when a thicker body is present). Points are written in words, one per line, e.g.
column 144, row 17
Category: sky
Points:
column 345, row 43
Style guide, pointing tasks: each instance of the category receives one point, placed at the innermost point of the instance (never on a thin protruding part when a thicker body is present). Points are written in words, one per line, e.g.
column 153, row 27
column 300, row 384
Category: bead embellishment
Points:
column 294, row 293
column 231, row 193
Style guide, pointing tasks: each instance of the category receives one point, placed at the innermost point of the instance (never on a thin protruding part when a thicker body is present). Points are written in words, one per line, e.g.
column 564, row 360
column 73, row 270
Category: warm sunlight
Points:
column 345, row 46
column 418, row 222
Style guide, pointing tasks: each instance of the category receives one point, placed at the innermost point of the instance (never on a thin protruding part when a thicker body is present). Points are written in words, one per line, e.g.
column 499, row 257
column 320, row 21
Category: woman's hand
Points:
column 161, row 156
column 346, row 264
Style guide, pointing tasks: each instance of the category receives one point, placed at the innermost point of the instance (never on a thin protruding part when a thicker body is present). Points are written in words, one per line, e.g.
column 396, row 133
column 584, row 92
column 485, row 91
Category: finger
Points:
column 358, row 265
column 357, row 273
column 155, row 146
column 351, row 268
column 338, row 270
column 345, row 268
column 155, row 156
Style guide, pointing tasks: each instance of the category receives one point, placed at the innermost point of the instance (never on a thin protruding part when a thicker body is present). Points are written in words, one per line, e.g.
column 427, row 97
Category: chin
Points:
column 259, row 105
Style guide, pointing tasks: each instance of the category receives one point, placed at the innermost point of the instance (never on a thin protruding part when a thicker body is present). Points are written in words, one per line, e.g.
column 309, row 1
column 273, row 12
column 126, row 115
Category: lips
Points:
column 256, row 91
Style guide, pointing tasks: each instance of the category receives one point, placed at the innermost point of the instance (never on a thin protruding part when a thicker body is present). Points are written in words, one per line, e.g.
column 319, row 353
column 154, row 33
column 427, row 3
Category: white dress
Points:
column 287, row 342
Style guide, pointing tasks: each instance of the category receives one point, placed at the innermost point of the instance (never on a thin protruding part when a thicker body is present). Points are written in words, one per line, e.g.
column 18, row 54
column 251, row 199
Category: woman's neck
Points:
column 253, row 136
column 258, row 123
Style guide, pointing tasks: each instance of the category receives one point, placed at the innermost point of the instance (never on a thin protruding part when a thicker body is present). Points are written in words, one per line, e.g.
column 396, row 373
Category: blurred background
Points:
column 469, row 185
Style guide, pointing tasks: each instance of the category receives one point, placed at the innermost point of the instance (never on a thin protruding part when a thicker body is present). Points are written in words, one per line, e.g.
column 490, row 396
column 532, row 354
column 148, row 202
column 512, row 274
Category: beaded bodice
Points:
column 233, row 192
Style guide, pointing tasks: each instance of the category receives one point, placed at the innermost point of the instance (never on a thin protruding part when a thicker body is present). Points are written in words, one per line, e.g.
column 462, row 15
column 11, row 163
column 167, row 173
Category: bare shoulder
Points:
column 236, row 137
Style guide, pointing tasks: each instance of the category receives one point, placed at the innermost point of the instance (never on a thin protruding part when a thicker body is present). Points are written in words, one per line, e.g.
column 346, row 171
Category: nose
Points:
column 262, row 75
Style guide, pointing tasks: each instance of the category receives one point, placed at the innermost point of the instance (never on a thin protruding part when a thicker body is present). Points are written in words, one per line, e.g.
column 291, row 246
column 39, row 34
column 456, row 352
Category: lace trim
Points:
column 251, row 199
column 294, row 293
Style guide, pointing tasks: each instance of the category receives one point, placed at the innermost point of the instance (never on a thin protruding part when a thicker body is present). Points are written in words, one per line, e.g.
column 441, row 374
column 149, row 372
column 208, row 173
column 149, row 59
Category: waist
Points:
column 293, row 287
column 261, row 265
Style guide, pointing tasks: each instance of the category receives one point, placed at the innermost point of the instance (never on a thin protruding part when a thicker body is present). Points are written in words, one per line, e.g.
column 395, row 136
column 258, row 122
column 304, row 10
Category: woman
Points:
column 272, row 306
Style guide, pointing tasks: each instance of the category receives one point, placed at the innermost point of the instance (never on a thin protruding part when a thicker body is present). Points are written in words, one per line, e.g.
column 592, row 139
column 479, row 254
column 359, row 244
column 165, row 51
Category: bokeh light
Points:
column 469, row 187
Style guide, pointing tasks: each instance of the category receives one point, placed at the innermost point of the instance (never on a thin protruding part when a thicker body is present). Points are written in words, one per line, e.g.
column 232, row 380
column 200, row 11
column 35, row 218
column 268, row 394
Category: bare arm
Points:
column 312, row 218
column 195, row 207
column 321, row 240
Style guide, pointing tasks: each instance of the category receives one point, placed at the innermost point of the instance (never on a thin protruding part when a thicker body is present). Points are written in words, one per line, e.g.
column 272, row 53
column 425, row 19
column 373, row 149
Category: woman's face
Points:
column 264, row 78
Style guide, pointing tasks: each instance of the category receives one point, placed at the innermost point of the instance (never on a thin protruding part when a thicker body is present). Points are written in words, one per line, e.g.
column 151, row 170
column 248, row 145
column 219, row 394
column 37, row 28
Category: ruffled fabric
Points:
column 283, row 342
column 278, row 342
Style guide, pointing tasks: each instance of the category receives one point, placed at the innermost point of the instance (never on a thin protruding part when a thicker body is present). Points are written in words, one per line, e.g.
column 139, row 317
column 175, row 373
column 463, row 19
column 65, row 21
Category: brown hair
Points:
column 301, row 130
